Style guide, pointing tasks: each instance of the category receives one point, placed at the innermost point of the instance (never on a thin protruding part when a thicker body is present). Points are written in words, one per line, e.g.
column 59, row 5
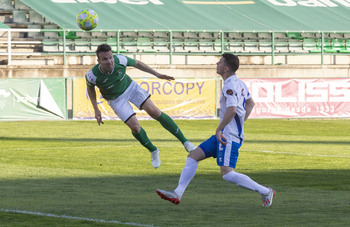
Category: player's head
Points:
column 105, row 58
column 232, row 61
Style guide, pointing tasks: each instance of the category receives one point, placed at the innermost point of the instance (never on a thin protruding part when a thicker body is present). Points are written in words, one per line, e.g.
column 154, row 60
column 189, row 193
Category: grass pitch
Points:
column 75, row 173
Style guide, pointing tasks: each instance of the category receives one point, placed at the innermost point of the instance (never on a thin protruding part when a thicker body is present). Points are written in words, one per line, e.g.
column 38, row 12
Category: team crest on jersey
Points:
column 229, row 92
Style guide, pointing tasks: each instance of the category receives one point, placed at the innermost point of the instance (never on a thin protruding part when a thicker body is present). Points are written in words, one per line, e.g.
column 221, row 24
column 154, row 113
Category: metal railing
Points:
column 173, row 42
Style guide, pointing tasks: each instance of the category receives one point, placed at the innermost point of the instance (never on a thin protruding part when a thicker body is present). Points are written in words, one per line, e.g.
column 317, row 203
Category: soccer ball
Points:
column 87, row 19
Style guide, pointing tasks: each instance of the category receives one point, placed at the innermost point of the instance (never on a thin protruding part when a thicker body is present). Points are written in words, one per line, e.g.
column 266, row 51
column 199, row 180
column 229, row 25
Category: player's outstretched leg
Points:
column 267, row 198
column 169, row 124
column 155, row 158
column 169, row 195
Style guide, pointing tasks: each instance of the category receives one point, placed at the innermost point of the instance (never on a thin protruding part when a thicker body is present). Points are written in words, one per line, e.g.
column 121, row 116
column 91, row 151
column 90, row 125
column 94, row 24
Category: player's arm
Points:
column 143, row 67
column 92, row 95
column 249, row 105
column 227, row 118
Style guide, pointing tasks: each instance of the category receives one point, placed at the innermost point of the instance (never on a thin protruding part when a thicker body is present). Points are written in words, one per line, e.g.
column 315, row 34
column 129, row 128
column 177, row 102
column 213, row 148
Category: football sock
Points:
column 144, row 140
column 245, row 182
column 171, row 126
column 186, row 176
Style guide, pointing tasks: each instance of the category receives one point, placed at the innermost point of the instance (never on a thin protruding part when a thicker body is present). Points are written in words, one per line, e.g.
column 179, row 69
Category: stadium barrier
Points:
column 58, row 42
column 66, row 98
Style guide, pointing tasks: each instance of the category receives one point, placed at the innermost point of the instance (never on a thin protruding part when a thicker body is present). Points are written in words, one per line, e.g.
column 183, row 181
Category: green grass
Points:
column 78, row 169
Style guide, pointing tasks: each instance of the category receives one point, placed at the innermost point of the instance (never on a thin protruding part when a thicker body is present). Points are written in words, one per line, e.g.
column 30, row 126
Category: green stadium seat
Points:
column 346, row 47
column 294, row 35
column 6, row 5
column 19, row 16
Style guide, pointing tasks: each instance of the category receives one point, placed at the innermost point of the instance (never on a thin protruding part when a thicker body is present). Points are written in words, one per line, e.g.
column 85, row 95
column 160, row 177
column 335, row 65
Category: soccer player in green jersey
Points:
column 119, row 89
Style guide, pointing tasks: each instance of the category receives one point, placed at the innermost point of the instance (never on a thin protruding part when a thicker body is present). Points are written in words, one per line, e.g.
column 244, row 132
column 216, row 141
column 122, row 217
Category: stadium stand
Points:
column 18, row 14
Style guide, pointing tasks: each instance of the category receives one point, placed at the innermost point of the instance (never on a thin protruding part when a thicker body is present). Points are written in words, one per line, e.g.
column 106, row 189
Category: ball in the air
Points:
column 87, row 19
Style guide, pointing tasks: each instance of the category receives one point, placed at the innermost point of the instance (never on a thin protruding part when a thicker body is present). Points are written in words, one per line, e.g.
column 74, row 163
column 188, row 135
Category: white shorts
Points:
column 134, row 94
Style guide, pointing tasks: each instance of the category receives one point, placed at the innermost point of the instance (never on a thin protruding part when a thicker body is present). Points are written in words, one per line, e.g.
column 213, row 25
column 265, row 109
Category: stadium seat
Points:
column 235, row 35
column 35, row 17
column 265, row 45
column 34, row 34
column 205, row 35
column 206, row 46
column 309, row 45
column 191, row 45
column 296, row 46
column 264, row 35
column 145, row 34
column 128, row 45
column 161, row 45
column 50, row 45
column 190, row 35
column 69, row 45
column 346, row 47
column 281, row 47
column 6, row 5
column 113, row 43
column 50, row 34
column 95, row 42
column 294, row 35
column 82, row 45
column 84, row 35
column 177, row 45
column 19, row 16
column 251, row 46
column 20, row 5
column 236, row 46
column 218, row 46
column 144, row 45
column 250, row 35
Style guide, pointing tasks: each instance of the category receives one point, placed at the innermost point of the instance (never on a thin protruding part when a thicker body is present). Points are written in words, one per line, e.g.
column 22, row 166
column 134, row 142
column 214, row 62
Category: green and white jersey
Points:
column 114, row 84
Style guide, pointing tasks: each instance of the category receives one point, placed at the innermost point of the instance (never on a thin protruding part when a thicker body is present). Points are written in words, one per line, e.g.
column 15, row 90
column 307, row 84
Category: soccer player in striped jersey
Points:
column 236, row 105
column 119, row 89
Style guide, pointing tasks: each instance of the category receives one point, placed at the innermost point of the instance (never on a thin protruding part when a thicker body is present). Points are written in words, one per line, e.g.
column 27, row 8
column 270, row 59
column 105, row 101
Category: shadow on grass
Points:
column 302, row 195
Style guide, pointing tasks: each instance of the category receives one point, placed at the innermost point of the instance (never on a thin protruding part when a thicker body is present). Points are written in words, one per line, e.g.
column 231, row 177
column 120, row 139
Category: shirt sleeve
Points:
column 126, row 61
column 230, row 96
column 90, row 79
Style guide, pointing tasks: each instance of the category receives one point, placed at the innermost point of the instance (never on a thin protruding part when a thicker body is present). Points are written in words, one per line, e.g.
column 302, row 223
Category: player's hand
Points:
column 98, row 117
column 165, row 77
column 221, row 138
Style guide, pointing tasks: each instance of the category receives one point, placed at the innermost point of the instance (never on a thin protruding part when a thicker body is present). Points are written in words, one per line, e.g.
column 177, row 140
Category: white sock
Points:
column 245, row 182
column 186, row 176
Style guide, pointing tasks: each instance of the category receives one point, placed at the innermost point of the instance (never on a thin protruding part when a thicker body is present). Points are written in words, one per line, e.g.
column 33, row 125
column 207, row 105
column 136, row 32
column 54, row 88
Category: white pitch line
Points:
column 298, row 154
column 73, row 218
column 64, row 148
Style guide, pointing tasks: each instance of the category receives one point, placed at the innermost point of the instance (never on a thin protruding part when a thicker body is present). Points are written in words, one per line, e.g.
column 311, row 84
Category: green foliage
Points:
column 80, row 169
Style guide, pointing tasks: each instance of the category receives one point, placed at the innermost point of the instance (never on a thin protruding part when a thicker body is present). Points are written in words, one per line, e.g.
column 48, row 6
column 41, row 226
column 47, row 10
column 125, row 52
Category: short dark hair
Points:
column 103, row 48
column 232, row 61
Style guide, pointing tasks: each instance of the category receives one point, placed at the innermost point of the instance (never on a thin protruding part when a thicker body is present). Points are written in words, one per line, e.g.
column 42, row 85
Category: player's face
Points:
column 221, row 66
column 106, row 61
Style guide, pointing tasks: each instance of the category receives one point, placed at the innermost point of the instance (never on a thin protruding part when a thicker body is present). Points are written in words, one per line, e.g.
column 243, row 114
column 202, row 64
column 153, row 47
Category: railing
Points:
column 172, row 42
